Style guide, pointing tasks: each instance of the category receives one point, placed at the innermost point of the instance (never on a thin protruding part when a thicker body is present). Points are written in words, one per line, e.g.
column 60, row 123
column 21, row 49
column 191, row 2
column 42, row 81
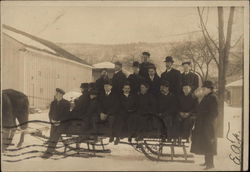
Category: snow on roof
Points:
column 26, row 40
column 107, row 65
column 235, row 83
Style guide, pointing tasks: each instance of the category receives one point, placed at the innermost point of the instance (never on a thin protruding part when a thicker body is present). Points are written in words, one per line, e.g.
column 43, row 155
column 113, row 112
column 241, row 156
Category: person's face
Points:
column 126, row 89
column 206, row 90
column 118, row 67
column 143, row 89
column 186, row 89
column 186, row 68
column 104, row 73
column 164, row 89
column 58, row 96
column 168, row 64
column 199, row 92
column 151, row 72
column 107, row 87
column 145, row 58
column 135, row 69
column 92, row 96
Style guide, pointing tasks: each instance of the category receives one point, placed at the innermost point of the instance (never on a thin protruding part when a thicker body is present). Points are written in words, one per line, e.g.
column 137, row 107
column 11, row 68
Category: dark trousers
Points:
column 55, row 133
column 209, row 160
column 184, row 127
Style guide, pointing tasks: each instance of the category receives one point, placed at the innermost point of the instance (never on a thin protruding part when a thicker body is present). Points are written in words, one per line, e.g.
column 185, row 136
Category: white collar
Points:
column 126, row 95
column 107, row 93
column 151, row 77
column 168, row 70
column 186, row 72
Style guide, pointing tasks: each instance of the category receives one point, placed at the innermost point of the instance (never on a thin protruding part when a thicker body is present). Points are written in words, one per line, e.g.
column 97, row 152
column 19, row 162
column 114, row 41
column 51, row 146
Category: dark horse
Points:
column 15, row 105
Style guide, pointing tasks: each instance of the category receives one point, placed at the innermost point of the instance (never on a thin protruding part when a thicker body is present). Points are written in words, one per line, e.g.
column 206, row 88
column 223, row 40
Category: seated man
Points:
column 186, row 108
column 81, row 103
column 93, row 111
column 166, row 110
column 59, row 110
column 146, row 110
column 108, row 106
column 126, row 112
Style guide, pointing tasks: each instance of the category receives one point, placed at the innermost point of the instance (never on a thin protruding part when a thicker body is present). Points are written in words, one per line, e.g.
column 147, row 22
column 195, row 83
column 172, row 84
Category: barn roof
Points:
column 40, row 44
column 235, row 83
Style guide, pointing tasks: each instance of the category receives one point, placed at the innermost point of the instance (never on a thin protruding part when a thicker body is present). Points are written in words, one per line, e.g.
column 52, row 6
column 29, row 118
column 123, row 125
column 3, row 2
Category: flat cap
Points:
column 61, row 91
column 165, row 83
column 208, row 84
column 136, row 64
column 84, row 85
column 146, row 53
column 169, row 59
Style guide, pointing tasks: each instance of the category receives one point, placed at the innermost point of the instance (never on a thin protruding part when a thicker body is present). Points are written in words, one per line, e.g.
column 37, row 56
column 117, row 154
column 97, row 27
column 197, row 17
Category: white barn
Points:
column 36, row 67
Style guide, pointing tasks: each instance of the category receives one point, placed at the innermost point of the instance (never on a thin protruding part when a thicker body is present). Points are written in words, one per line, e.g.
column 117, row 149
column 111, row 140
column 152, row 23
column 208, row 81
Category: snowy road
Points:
column 123, row 157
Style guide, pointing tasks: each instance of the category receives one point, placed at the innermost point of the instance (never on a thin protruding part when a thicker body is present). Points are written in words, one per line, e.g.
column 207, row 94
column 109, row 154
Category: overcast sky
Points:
column 112, row 24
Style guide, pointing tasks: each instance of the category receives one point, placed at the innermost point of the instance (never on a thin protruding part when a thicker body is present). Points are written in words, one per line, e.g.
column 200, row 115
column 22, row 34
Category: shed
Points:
column 235, row 97
column 36, row 67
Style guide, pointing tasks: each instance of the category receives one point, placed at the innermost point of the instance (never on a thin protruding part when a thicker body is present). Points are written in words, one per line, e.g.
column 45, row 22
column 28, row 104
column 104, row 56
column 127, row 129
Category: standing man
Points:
column 59, row 111
column 189, row 77
column 119, row 78
column 204, row 139
column 81, row 103
column 100, row 81
column 154, row 81
column 173, row 76
column 135, row 79
column 145, row 64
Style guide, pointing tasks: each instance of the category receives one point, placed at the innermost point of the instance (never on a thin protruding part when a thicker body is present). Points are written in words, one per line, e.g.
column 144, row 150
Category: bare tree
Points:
column 220, row 56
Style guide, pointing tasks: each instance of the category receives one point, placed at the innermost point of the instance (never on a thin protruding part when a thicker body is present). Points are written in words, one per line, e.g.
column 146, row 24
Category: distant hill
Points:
column 127, row 53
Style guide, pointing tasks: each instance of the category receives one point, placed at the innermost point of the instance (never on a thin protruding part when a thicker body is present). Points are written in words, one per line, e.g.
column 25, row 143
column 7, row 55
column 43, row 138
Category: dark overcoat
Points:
column 59, row 110
column 144, row 69
column 93, row 113
column 135, row 81
column 108, row 103
column 191, row 78
column 118, row 81
column 174, row 78
column 204, row 140
column 154, row 85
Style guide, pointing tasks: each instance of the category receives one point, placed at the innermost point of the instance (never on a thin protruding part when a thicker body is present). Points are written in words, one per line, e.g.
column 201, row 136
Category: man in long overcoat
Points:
column 154, row 81
column 173, row 76
column 189, row 77
column 204, row 140
column 58, row 114
column 100, row 81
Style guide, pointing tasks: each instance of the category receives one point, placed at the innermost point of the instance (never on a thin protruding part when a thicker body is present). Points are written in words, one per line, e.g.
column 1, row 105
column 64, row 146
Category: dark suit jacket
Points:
column 190, row 78
column 167, row 104
column 59, row 110
column 154, row 85
column 135, row 81
column 146, row 104
column 144, row 69
column 127, row 104
column 108, row 103
column 100, row 84
column 118, row 80
column 81, row 104
column 174, row 79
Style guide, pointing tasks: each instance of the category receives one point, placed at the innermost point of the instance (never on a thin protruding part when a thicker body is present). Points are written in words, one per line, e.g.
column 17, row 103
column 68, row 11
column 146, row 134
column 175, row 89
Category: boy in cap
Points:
column 166, row 110
column 135, row 79
column 173, row 76
column 126, row 112
column 58, row 113
column 186, row 109
column 145, row 64
column 108, row 106
column 154, row 81
column 100, row 81
column 146, row 109
column 189, row 77
column 119, row 78
column 82, row 102
column 204, row 139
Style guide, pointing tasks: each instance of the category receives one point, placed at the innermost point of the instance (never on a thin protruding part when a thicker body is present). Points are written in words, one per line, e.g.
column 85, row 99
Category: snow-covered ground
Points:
column 123, row 157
